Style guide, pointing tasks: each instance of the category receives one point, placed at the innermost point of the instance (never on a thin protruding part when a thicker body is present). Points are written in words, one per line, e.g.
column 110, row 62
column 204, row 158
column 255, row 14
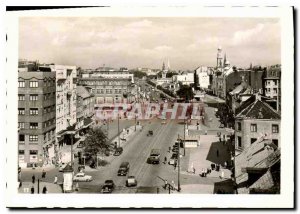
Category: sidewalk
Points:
column 51, row 188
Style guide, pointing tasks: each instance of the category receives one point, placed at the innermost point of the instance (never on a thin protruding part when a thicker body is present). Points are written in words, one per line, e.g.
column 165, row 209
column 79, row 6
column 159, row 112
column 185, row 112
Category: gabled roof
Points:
column 83, row 92
column 257, row 110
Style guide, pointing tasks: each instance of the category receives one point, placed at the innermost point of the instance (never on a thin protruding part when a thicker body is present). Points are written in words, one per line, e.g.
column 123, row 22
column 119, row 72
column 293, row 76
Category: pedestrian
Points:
column 55, row 179
column 217, row 152
column 77, row 187
column 45, row 190
column 194, row 170
column 166, row 184
column 169, row 148
column 32, row 190
column 202, row 172
column 222, row 174
column 165, row 160
column 33, row 179
column 43, row 174
column 175, row 164
column 220, row 139
column 225, row 164
column 205, row 132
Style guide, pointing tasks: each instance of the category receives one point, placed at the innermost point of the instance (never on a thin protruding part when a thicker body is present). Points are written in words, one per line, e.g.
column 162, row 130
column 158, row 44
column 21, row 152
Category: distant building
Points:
column 272, row 85
column 202, row 73
column 108, row 86
column 185, row 78
column 257, row 168
column 36, row 115
column 254, row 119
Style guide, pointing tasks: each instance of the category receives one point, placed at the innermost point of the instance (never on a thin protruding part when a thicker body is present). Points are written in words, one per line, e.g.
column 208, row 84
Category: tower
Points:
column 224, row 60
column 219, row 57
column 168, row 68
column 163, row 66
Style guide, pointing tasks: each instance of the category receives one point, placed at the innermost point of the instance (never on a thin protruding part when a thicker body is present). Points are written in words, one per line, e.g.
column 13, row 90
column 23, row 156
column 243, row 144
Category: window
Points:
column 34, row 111
column 239, row 126
column 275, row 128
column 21, row 152
column 21, row 97
column 275, row 82
column 107, row 91
column 21, row 125
column 21, row 111
column 33, row 137
column 253, row 128
column 33, row 84
column 45, row 110
column 33, row 125
column 239, row 141
column 253, row 140
column 21, row 84
column 33, row 152
column 275, row 90
column 33, row 97
column 269, row 90
column 21, row 137
column 275, row 141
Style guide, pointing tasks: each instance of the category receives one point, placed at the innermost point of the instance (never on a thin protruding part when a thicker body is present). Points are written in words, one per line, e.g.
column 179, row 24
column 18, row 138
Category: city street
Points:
column 150, row 177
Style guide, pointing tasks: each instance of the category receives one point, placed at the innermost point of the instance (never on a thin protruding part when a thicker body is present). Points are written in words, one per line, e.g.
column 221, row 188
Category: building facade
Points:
column 272, row 85
column 255, row 119
column 202, row 74
column 108, row 87
column 36, row 115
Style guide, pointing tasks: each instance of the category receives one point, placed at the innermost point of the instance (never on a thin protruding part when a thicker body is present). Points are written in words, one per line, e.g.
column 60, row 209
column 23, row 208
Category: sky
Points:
column 91, row 42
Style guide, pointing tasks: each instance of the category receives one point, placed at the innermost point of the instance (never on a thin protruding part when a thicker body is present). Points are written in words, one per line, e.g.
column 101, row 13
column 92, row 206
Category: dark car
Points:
column 150, row 133
column 124, row 168
column 118, row 151
column 108, row 186
column 174, row 155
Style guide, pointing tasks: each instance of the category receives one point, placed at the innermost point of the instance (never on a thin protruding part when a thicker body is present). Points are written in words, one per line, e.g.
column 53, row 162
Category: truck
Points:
column 154, row 157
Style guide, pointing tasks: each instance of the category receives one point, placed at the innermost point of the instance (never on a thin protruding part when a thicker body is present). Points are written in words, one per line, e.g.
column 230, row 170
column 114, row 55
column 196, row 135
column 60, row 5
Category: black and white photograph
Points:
column 149, row 102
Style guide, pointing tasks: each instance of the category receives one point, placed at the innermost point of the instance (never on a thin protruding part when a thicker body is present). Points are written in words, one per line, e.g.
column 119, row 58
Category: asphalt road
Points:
column 136, row 153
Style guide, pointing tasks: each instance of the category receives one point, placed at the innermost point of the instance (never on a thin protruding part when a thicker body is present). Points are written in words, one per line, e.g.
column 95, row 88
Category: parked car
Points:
column 150, row 133
column 173, row 160
column 131, row 181
column 174, row 155
column 124, row 168
column 108, row 186
column 118, row 151
column 82, row 177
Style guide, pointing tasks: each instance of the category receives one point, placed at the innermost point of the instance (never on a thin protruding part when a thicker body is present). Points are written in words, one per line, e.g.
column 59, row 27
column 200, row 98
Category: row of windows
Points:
column 31, row 152
column 253, row 128
column 32, row 138
column 32, row 111
column 34, row 97
column 32, row 84
column 49, row 109
column 268, row 82
column 107, row 91
column 274, row 90
column 21, row 125
column 104, row 82
column 35, row 84
column 252, row 140
column 49, row 123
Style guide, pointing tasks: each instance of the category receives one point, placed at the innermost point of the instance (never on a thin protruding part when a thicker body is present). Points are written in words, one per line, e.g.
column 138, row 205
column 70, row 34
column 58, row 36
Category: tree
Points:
column 139, row 74
column 96, row 142
column 185, row 92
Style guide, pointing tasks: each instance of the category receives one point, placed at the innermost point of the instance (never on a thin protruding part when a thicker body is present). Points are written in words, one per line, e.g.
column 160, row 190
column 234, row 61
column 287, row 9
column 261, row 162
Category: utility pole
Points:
column 179, row 168
column 184, row 138
column 118, row 129
column 38, row 186
column 135, row 123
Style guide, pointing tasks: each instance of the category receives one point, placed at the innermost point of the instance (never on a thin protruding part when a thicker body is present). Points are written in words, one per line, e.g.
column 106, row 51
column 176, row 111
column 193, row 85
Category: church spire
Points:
column 224, row 60
column 163, row 66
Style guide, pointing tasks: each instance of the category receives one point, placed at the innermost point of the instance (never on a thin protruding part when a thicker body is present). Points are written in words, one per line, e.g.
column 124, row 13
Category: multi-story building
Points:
column 185, row 78
column 66, row 102
column 36, row 115
column 253, row 120
column 108, row 86
column 85, row 108
column 271, row 85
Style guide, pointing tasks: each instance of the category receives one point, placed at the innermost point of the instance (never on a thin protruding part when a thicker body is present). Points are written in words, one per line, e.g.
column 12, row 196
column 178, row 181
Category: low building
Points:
column 254, row 119
column 36, row 115
column 185, row 78
column 257, row 168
